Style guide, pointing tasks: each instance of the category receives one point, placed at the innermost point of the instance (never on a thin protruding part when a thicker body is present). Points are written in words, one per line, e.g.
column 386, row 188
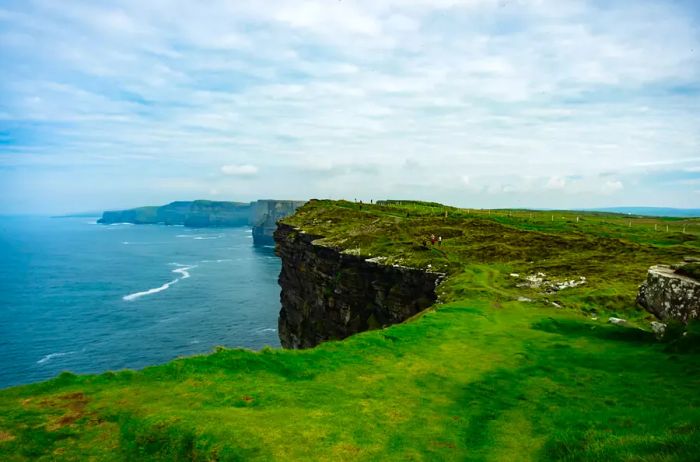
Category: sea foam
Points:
column 53, row 355
column 182, row 270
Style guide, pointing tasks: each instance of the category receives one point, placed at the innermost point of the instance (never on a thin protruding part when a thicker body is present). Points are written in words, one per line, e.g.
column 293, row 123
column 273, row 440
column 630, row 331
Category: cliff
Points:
column 499, row 371
column 671, row 294
column 197, row 214
column 205, row 214
column 328, row 294
column 264, row 216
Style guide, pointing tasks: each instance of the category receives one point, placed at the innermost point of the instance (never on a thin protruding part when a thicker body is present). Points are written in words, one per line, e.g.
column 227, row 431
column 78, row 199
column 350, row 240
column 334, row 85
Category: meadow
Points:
column 497, row 370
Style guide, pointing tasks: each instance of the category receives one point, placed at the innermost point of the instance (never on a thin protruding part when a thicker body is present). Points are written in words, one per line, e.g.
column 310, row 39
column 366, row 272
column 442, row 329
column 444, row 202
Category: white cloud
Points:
column 612, row 186
column 555, row 182
column 239, row 170
column 543, row 91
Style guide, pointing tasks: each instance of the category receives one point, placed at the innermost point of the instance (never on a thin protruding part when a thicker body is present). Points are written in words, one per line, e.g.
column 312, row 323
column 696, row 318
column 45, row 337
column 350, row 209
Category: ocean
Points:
column 82, row 297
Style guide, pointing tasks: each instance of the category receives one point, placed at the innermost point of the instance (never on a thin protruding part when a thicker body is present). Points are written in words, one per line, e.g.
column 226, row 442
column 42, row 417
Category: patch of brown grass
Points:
column 5, row 436
column 73, row 404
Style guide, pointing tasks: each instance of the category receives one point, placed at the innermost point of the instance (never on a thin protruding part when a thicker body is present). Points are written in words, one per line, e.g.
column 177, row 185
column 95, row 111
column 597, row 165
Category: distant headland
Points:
column 261, row 215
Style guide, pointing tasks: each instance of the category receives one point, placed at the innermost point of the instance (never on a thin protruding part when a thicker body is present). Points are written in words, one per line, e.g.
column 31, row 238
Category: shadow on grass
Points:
column 573, row 328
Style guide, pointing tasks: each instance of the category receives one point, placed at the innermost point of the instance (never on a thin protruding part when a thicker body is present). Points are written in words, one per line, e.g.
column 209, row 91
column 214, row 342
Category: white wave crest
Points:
column 53, row 355
column 260, row 331
column 183, row 271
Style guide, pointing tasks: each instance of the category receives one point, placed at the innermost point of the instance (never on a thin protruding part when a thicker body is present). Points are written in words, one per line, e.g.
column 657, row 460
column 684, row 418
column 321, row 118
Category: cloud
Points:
column 612, row 186
column 544, row 97
column 555, row 182
column 239, row 170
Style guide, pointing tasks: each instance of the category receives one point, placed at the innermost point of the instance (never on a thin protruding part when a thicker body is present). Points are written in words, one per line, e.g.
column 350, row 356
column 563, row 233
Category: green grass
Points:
column 480, row 376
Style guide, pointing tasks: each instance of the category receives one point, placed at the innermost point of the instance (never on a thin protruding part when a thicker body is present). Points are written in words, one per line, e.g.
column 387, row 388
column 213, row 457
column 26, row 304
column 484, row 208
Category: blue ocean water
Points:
column 83, row 297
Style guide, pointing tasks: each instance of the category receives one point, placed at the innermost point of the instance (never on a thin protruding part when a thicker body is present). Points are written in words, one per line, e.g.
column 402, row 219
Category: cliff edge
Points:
column 328, row 294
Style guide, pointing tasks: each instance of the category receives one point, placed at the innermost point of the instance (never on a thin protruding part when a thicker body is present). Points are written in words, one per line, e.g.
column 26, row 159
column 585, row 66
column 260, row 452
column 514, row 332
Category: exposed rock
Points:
column 524, row 299
column 264, row 216
column 548, row 285
column 205, row 214
column 328, row 294
column 658, row 328
column 670, row 295
column 617, row 321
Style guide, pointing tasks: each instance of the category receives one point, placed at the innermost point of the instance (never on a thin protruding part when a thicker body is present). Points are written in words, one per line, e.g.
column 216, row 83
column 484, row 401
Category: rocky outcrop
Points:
column 264, row 216
column 670, row 295
column 327, row 294
column 196, row 214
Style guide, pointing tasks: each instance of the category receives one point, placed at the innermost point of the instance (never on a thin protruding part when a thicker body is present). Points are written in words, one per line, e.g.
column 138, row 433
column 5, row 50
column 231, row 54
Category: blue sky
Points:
column 479, row 103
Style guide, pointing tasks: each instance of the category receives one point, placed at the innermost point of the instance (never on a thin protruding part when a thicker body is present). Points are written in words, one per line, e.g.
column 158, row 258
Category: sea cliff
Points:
column 264, row 216
column 196, row 214
column 328, row 294
column 504, row 368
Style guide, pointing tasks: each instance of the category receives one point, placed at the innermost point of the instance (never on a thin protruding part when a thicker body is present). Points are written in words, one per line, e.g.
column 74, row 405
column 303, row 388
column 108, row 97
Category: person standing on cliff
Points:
column 432, row 239
column 439, row 240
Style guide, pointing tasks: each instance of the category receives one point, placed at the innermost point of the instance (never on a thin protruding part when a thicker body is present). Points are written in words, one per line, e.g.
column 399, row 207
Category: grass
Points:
column 480, row 376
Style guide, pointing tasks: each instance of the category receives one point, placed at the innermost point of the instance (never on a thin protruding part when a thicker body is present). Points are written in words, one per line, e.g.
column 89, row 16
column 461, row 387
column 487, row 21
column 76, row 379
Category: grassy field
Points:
column 482, row 375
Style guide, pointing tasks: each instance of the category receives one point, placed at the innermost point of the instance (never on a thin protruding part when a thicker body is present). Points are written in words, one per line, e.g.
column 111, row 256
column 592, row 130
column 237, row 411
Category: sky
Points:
column 474, row 103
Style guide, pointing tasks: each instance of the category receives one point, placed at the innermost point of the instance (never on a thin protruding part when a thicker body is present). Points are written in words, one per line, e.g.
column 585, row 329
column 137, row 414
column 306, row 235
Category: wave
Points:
column 269, row 329
column 117, row 224
column 53, row 355
column 183, row 271
column 134, row 296
column 200, row 237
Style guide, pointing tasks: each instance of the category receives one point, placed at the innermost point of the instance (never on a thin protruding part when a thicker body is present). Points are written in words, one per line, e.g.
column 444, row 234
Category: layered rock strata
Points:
column 327, row 294
column 264, row 216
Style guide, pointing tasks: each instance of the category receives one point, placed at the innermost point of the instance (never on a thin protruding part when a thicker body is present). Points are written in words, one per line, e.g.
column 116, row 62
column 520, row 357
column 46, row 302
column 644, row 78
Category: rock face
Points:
column 173, row 213
column 196, row 214
column 206, row 214
column 264, row 216
column 327, row 294
column 670, row 295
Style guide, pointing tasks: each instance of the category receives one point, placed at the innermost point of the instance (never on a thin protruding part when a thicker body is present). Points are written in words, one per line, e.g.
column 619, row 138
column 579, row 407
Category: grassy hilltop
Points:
column 495, row 371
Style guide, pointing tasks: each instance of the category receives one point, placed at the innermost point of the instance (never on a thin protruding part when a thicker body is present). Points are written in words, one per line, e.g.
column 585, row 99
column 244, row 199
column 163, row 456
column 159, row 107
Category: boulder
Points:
column 658, row 328
column 670, row 295
column 617, row 321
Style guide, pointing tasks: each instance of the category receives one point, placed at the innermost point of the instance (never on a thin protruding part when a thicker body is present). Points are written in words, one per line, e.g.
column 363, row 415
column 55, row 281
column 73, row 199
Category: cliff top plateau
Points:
column 516, row 360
